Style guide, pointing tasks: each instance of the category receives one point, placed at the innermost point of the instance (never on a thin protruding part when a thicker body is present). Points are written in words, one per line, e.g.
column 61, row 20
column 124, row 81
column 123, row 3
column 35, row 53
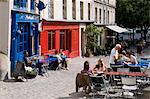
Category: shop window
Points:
column 62, row 39
column 51, row 40
column 32, row 5
column 65, row 39
column 20, row 4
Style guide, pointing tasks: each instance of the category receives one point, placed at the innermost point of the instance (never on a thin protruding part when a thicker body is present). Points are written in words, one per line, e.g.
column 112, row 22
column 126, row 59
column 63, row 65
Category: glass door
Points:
column 22, row 40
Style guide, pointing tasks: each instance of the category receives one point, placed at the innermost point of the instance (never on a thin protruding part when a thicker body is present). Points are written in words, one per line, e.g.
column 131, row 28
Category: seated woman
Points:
column 100, row 67
column 132, row 58
column 86, row 70
column 29, row 62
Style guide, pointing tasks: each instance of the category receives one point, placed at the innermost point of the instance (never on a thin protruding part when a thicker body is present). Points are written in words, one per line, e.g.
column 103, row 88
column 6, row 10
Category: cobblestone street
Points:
column 59, row 85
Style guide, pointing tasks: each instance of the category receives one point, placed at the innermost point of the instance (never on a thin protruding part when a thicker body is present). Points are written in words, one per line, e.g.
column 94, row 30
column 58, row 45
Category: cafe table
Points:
column 125, row 73
column 144, row 61
column 138, row 65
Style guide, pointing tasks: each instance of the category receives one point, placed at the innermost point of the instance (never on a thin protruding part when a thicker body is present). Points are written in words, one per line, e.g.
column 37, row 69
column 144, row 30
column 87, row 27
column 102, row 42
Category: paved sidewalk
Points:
column 59, row 85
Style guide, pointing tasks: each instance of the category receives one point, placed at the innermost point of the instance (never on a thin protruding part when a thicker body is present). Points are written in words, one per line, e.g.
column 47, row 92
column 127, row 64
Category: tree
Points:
column 92, row 32
column 134, row 14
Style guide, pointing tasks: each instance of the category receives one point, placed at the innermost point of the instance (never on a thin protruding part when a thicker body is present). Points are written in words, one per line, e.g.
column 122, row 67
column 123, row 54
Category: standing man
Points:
column 114, row 54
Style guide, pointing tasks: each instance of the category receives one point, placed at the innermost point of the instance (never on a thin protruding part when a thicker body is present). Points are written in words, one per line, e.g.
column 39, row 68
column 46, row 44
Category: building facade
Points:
column 24, row 29
column 63, row 23
column 104, row 15
column 5, row 28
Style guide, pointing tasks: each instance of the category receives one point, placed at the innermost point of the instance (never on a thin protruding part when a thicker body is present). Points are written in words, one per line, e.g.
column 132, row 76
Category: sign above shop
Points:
column 26, row 17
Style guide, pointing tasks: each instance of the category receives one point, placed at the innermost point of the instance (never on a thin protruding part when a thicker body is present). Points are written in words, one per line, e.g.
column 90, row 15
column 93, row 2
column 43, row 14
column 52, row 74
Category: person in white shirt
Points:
column 61, row 60
column 114, row 54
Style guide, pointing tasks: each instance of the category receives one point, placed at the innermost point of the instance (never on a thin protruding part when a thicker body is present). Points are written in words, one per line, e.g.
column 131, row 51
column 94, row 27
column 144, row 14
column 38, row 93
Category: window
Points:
column 74, row 9
column 65, row 39
column 104, row 17
column 81, row 10
column 108, row 17
column 96, row 15
column 51, row 40
column 22, row 40
column 32, row 5
column 51, row 9
column 100, row 16
column 21, row 4
column 64, row 9
column 62, row 39
column 89, row 11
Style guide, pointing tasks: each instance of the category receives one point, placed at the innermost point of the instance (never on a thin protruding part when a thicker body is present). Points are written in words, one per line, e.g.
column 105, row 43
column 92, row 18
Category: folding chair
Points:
column 45, row 69
column 99, row 84
column 129, row 84
column 117, row 78
column 82, row 81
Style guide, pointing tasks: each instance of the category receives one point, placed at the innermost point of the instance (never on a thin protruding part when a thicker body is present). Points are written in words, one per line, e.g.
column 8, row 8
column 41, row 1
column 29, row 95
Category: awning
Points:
column 117, row 29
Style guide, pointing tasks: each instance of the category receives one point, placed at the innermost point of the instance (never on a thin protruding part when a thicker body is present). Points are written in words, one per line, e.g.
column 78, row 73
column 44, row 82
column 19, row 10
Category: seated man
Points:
column 64, row 57
column 30, row 62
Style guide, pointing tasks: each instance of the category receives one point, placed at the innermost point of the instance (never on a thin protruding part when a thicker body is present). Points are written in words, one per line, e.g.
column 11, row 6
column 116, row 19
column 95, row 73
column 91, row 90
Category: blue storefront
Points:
column 24, row 35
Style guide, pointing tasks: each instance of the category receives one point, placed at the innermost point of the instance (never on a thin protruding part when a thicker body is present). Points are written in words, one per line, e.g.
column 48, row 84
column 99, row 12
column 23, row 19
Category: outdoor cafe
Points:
column 39, row 65
column 122, row 81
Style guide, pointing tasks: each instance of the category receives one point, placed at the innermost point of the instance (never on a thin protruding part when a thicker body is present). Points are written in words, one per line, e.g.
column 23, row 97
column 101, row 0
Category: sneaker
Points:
column 67, row 69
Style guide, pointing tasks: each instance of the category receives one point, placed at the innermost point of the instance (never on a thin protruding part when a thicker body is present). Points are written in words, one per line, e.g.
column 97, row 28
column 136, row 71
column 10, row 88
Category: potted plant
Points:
column 91, row 32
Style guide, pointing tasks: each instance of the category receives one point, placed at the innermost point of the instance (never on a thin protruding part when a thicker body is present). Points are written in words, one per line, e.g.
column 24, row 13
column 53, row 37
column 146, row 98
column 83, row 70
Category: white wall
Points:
column 5, row 34
column 82, row 25
column 4, row 27
column 58, row 10
column 103, row 7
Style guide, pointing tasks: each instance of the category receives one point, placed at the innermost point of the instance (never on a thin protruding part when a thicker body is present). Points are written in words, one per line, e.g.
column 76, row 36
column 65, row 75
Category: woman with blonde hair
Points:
column 100, row 67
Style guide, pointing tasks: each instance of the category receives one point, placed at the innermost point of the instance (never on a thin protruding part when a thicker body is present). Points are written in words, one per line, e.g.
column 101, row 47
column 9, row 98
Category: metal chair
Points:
column 99, row 84
column 117, row 78
column 129, row 84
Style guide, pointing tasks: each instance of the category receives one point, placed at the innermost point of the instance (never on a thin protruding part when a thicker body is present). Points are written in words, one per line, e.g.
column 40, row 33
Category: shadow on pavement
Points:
column 77, row 95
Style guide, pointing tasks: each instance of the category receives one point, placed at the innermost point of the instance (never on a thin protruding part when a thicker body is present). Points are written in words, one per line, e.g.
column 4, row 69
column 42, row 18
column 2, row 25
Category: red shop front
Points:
column 60, row 35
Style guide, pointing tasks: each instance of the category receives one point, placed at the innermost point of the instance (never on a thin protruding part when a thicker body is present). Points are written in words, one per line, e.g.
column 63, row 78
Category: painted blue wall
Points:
column 24, row 28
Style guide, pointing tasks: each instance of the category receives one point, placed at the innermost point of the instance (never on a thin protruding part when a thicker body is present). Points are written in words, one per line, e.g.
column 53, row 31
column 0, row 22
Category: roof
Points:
column 117, row 28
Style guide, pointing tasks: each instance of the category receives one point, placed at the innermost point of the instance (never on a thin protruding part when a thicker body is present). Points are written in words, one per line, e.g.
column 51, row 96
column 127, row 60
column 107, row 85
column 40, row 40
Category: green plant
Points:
column 92, row 32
